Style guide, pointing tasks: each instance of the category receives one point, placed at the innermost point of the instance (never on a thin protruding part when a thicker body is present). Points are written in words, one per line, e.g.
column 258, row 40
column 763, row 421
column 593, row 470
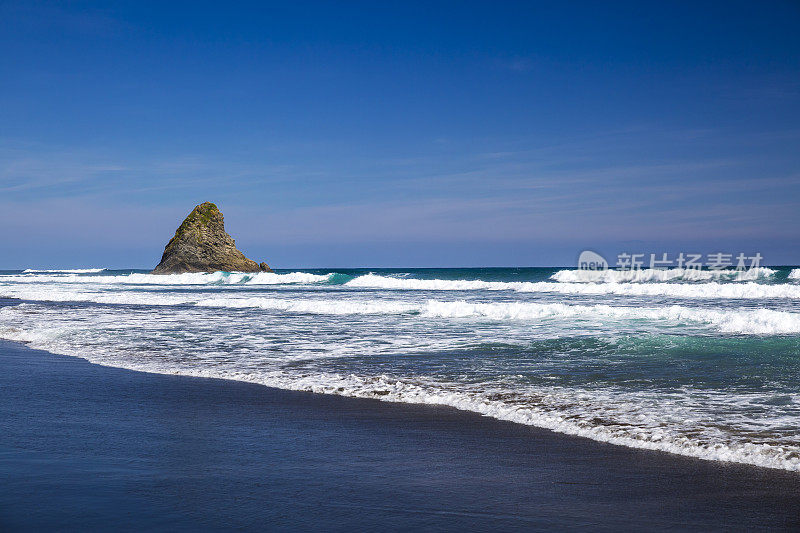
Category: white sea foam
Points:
column 314, row 335
column 190, row 278
column 739, row 321
column 731, row 321
column 706, row 290
column 794, row 274
column 649, row 275
column 315, row 306
column 65, row 271
column 55, row 294
column 374, row 281
column 542, row 409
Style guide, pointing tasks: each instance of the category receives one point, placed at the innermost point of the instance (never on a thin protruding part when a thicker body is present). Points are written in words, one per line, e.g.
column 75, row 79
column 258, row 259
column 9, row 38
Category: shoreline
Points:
column 86, row 443
column 468, row 406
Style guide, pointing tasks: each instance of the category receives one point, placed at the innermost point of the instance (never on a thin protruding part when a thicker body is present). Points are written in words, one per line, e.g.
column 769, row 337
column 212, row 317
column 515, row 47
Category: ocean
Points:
column 704, row 364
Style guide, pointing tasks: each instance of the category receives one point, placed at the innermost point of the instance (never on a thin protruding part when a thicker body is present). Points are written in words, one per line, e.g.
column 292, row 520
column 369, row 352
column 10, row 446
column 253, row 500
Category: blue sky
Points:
column 399, row 134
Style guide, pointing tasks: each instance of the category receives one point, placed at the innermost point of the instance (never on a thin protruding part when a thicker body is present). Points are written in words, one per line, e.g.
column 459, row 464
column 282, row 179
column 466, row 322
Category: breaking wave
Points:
column 567, row 282
column 729, row 321
column 65, row 271
column 741, row 322
column 712, row 289
column 192, row 278
column 700, row 367
column 649, row 275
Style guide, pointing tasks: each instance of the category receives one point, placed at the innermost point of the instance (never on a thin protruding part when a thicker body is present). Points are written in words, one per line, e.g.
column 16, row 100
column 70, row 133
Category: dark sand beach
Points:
column 87, row 447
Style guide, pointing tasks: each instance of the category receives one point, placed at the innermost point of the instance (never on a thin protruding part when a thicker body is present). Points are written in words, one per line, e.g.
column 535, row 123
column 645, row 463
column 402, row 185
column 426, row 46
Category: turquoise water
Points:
column 697, row 363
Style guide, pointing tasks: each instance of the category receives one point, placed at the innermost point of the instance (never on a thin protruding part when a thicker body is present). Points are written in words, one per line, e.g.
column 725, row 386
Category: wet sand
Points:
column 86, row 447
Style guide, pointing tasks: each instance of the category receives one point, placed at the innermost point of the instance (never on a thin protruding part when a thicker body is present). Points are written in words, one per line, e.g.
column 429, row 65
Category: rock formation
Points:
column 201, row 244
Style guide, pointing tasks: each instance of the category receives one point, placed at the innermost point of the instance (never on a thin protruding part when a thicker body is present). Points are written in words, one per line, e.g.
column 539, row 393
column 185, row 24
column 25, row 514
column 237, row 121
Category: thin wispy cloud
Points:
column 404, row 129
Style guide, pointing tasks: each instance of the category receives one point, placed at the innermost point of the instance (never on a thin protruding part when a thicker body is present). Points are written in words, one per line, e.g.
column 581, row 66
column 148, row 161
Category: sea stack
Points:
column 201, row 244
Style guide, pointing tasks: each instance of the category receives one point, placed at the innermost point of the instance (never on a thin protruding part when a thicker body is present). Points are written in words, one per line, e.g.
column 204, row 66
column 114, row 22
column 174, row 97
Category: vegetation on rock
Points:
column 200, row 244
